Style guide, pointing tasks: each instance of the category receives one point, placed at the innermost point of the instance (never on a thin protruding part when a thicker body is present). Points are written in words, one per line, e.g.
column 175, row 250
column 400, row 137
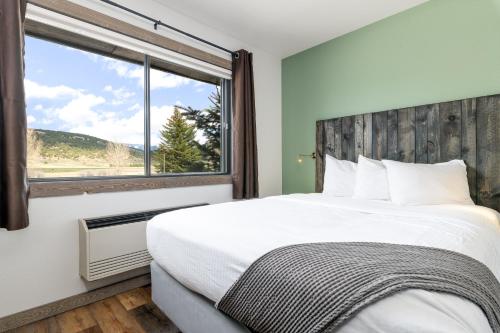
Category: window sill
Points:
column 77, row 187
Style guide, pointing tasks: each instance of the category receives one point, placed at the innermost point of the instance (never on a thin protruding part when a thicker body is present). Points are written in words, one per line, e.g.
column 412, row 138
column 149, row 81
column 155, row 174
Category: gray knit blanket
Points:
column 309, row 288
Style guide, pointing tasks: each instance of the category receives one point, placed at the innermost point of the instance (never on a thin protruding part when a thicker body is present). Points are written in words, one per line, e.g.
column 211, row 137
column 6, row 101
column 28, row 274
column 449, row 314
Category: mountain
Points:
column 136, row 146
column 66, row 145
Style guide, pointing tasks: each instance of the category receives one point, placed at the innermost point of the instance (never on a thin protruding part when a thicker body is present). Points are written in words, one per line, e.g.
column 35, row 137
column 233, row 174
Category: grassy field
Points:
column 57, row 154
column 68, row 169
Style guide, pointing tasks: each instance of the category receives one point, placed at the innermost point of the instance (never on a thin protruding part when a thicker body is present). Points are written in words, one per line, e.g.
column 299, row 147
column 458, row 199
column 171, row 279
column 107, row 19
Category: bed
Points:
column 199, row 254
column 206, row 253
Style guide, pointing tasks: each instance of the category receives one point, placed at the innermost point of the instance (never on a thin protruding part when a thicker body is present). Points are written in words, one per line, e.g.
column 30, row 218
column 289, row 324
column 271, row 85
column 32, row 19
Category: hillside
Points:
column 66, row 145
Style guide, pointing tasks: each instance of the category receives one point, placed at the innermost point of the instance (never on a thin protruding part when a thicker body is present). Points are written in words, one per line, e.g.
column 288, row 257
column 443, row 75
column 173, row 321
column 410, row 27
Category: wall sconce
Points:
column 301, row 157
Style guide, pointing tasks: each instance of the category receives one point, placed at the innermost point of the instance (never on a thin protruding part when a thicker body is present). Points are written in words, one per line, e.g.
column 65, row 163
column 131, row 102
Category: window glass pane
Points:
column 185, row 122
column 85, row 113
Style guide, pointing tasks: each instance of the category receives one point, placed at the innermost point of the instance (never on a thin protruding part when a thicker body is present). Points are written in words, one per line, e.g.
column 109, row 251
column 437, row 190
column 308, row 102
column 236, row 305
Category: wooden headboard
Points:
column 467, row 129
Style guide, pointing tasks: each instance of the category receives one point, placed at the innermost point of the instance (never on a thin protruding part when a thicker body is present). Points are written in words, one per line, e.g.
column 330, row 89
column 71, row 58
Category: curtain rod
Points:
column 156, row 23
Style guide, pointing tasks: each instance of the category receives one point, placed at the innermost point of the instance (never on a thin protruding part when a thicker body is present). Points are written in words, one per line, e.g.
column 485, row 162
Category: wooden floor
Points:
column 129, row 312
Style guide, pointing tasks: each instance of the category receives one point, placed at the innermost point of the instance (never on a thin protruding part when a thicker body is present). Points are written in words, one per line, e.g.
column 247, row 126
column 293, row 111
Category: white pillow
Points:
column 371, row 180
column 340, row 176
column 428, row 184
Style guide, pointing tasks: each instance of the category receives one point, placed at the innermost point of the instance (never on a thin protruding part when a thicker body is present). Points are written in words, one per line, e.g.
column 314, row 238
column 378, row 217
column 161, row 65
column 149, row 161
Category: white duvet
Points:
column 207, row 248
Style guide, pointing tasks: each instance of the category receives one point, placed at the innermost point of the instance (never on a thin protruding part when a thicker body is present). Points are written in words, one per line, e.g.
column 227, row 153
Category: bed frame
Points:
column 467, row 129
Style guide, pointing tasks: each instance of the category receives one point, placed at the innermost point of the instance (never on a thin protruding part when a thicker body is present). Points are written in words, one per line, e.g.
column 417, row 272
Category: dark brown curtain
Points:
column 245, row 173
column 14, row 185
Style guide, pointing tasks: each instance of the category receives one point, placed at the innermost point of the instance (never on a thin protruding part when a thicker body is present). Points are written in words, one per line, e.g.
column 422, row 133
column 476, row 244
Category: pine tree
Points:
column 209, row 121
column 178, row 151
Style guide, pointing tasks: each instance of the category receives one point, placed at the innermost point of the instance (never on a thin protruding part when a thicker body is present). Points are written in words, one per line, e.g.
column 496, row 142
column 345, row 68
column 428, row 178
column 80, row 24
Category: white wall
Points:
column 39, row 265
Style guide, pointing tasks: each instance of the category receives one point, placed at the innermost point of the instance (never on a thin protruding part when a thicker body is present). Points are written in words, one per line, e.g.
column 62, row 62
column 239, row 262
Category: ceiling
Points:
column 285, row 27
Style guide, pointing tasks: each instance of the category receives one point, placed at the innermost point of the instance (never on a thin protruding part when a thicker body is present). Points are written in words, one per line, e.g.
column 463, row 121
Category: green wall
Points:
column 441, row 50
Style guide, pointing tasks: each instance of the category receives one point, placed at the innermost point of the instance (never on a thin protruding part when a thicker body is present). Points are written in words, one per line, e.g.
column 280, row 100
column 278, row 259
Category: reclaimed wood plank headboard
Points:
column 466, row 129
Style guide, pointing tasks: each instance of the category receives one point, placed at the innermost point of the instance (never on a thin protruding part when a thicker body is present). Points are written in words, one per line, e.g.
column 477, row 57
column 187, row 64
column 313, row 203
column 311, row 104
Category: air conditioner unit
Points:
column 115, row 244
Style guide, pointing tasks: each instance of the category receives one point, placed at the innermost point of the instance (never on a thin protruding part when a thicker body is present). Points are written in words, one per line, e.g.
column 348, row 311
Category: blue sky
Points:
column 81, row 92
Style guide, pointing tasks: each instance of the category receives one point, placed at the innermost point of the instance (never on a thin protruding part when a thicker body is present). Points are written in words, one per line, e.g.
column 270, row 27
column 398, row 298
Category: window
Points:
column 93, row 112
column 185, row 136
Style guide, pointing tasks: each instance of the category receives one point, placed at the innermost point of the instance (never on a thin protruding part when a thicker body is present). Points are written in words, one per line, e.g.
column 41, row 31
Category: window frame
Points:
column 222, row 176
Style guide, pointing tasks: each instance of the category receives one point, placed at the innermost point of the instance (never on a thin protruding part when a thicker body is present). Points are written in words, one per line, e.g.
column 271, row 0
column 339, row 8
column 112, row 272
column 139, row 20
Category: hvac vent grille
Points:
column 123, row 263
column 130, row 218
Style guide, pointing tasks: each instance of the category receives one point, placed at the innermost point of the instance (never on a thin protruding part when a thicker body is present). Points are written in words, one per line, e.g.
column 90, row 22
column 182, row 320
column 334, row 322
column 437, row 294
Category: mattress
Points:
column 207, row 248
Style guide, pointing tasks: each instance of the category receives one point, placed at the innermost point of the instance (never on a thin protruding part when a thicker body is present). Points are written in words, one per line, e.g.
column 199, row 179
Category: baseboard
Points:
column 70, row 303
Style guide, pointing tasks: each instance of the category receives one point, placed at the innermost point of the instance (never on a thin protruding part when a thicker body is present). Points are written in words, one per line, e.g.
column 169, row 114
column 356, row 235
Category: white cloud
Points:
column 48, row 116
column 35, row 90
column 80, row 110
column 109, row 115
column 47, row 121
column 92, row 56
column 200, row 86
column 121, row 95
column 179, row 103
column 158, row 79
column 120, row 67
column 86, row 113
column 30, row 119
column 123, row 130
column 79, row 116
column 135, row 107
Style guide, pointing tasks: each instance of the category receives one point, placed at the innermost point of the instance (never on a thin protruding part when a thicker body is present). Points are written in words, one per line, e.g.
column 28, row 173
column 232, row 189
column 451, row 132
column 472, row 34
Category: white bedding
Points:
column 207, row 248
